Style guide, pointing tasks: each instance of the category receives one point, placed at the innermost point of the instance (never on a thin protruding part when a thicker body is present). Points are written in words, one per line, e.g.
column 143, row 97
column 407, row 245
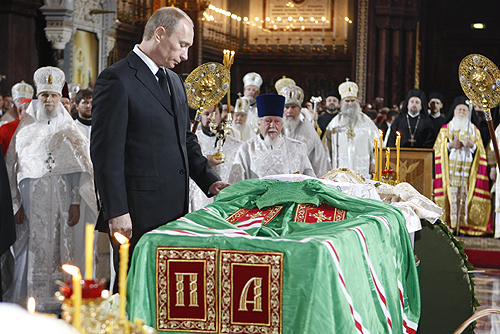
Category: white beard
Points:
column 350, row 114
column 44, row 114
column 250, row 99
column 272, row 142
column 460, row 124
column 290, row 124
column 237, row 126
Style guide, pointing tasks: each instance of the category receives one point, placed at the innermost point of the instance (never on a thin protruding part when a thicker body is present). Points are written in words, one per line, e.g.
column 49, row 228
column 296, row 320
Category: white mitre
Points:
column 283, row 82
column 252, row 79
column 73, row 88
column 242, row 105
column 49, row 79
column 22, row 90
column 348, row 89
column 293, row 95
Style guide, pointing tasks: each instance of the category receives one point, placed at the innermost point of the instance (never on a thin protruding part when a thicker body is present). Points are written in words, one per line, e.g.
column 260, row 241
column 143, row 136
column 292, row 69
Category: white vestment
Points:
column 351, row 147
column 49, row 170
column 252, row 118
column 245, row 131
column 304, row 132
column 197, row 199
column 255, row 159
column 84, row 129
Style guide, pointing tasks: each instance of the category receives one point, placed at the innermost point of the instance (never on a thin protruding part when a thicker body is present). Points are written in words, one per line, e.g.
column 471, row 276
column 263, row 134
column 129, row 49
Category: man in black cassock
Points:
column 413, row 123
column 436, row 117
column 7, row 226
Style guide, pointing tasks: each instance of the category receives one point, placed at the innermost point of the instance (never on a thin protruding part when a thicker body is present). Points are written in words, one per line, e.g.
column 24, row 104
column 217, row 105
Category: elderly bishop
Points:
column 296, row 126
column 350, row 136
column 461, row 185
column 50, row 175
column 269, row 153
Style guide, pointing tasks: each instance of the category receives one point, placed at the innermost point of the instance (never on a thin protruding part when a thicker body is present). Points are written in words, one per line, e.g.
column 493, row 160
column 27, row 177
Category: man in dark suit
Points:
column 141, row 146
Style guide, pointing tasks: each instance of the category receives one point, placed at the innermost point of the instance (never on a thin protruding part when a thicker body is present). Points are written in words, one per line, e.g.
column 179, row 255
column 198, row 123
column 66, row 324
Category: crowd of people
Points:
column 122, row 155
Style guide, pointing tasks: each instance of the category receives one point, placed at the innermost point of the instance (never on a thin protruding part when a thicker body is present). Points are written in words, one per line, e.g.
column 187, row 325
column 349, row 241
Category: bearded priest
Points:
column 349, row 136
column 461, row 185
column 270, row 153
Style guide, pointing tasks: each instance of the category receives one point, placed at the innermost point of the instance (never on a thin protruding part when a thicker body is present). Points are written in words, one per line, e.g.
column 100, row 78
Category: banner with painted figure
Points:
column 270, row 256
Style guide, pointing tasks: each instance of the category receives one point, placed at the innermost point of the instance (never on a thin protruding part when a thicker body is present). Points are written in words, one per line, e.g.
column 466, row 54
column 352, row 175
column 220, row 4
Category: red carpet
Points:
column 482, row 252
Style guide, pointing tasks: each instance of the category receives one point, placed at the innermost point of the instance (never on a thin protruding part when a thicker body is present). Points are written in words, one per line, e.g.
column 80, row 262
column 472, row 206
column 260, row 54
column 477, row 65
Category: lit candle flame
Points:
column 397, row 133
column 120, row 238
column 70, row 269
column 31, row 305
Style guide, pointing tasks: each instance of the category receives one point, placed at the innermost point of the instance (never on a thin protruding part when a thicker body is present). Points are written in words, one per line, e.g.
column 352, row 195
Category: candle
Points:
column 89, row 251
column 375, row 146
column 31, row 305
column 323, row 19
column 333, row 24
column 380, row 142
column 312, row 26
column 387, row 158
column 346, row 26
column 76, row 297
column 398, row 147
column 122, row 276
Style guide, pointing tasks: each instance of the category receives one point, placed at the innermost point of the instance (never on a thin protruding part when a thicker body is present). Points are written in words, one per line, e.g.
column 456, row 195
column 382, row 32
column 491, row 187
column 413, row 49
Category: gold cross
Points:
column 256, row 215
column 320, row 216
column 350, row 134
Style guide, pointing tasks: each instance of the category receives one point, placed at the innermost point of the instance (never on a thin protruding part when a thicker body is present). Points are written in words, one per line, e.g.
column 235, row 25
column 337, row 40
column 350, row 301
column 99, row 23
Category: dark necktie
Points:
column 162, row 80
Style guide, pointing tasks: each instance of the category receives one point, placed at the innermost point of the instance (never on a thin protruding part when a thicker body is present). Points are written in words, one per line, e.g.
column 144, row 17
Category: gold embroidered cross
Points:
column 320, row 216
column 256, row 215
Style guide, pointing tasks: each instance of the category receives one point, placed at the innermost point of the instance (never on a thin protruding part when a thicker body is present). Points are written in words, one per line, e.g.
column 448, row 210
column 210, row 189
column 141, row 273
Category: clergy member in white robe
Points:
column 240, row 123
column 251, row 89
column 50, row 174
column 350, row 136
column 270, row 153
column 209, row 144
column 296, row 126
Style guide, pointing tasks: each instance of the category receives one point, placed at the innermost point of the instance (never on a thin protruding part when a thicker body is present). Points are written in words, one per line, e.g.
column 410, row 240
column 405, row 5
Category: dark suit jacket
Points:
column 142, row 150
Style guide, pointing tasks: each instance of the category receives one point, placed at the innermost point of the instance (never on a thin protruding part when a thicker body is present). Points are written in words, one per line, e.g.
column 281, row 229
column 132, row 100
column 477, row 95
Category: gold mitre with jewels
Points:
column 252, row 79
column 283, row 82
column 242, row 105
column 22, row 90
column 49, row 79
column 348, row 89
column 293, row 95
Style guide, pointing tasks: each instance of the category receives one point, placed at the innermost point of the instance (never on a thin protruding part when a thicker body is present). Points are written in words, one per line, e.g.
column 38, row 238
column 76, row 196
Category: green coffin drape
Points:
column 356, row 275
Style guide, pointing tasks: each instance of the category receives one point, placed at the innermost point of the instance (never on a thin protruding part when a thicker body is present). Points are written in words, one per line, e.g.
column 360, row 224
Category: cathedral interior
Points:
column 386, row 46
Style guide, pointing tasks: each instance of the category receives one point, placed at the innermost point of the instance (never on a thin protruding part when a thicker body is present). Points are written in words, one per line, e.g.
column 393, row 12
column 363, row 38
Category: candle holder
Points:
column 389, row 177
column 96, row 314
column 278, row 46
column 301, row 47
column 345, row 45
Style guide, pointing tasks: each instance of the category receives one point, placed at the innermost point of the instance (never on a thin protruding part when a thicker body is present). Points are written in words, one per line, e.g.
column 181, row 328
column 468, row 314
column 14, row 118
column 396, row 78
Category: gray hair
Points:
column 166, row 17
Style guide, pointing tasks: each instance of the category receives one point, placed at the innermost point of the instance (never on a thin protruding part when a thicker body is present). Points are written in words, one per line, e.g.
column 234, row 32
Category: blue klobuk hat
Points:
column 270, row 105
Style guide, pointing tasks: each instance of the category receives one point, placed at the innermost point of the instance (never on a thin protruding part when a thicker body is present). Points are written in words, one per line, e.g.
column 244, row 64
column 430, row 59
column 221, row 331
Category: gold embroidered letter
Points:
column 193, row 289
column 257, row 298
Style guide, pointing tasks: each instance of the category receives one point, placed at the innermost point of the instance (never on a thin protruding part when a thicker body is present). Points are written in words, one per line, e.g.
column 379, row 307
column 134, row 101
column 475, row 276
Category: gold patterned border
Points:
column 188, row 254
column 246, row 214
column 271, row 260
column 309, row 213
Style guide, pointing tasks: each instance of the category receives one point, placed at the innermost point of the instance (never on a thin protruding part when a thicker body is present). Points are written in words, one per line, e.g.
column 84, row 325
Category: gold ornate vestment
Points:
column 478, row 195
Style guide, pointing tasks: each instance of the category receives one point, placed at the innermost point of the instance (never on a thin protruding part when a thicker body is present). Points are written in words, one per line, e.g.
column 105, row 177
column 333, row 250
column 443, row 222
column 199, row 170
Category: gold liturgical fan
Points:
column 480, row 80
column 205, row 86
